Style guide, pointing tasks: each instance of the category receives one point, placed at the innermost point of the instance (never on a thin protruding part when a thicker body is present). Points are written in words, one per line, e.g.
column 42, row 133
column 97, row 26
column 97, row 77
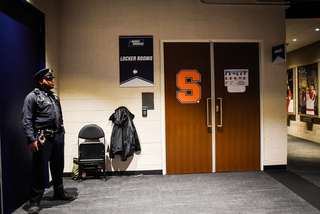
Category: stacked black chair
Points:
column 91, row 149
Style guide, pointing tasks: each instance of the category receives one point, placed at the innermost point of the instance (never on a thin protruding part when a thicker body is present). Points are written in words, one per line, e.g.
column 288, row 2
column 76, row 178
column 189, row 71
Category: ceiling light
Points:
column 294, row 40
column 317, row 29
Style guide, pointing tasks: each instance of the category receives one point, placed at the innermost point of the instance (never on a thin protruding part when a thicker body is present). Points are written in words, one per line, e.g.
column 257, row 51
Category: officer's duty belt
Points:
column 49, row 132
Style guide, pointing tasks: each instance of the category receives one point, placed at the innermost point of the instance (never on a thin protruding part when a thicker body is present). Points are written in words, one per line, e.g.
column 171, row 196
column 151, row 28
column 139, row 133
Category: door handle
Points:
column 208, row 113
column 219, row 108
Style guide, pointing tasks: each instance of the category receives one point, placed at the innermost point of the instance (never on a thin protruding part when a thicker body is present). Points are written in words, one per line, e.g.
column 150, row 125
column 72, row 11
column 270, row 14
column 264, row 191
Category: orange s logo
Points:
column 187, row 82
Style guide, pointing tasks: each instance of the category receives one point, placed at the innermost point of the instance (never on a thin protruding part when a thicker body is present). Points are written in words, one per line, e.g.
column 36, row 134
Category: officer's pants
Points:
column 52, row 150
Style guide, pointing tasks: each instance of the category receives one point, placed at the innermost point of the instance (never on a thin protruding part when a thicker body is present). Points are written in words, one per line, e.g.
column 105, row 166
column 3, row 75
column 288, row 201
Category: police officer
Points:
column 43, row 126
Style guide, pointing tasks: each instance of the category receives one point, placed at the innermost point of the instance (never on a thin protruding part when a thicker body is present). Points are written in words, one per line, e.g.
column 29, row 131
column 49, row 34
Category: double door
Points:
column 212, row 123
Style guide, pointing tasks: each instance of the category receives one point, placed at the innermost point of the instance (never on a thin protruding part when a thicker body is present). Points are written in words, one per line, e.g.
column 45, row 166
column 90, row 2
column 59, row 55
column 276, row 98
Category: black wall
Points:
column 21, row 56
column 301, row 9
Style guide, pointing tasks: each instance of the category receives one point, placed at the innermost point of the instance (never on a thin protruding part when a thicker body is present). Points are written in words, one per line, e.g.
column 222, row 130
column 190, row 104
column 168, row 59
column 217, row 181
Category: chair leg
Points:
column 80, row 172
column 104, row 170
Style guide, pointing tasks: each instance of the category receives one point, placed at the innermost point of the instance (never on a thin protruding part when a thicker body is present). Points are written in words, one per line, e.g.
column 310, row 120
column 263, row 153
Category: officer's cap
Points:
column 44, row 73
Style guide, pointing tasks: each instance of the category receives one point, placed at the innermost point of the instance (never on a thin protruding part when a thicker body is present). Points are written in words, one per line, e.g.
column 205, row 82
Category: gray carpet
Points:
column 304, row 159
column 237, row 192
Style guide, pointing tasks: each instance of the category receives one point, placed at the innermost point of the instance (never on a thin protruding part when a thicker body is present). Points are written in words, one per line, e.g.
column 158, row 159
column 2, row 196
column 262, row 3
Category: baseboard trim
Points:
column 125, row 173
column 275, row 167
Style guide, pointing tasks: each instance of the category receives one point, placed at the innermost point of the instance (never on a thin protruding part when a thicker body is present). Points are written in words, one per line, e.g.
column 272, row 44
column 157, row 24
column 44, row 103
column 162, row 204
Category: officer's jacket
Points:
column 38, row 114
column 124, row 138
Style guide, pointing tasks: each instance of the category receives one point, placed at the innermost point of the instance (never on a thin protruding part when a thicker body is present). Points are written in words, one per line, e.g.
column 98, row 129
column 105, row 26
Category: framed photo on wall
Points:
column 308, row 89
column 290, row 91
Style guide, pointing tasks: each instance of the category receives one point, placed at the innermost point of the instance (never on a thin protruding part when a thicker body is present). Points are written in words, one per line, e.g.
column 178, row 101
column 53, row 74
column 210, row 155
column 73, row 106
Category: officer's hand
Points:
column 34, row 146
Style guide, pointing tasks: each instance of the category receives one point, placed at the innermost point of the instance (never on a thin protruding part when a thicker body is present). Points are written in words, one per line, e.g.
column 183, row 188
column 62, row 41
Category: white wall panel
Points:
column 88, row 34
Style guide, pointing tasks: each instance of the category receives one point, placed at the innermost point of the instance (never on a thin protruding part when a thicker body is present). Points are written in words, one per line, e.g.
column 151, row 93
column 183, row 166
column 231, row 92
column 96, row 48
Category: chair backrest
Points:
column 91, row 151
column 91, row 131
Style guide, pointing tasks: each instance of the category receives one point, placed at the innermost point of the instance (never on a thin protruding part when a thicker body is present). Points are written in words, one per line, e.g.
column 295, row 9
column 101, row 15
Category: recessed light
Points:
column 294, row 40
column 317, row 29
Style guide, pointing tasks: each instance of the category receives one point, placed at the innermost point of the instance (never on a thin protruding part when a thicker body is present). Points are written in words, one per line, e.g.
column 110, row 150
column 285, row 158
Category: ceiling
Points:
column 303, row 30
column 302, row 19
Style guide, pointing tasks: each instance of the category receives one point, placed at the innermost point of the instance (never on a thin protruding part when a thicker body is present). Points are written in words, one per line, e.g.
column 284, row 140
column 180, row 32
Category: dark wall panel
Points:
column 21, row 55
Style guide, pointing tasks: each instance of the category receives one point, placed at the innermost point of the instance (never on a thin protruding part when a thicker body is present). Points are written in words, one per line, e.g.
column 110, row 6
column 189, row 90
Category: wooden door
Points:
column 187, row 86
column 238, row 139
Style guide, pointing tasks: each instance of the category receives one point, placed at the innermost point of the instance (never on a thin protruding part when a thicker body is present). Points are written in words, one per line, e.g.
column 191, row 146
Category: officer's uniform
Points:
column 42, row 117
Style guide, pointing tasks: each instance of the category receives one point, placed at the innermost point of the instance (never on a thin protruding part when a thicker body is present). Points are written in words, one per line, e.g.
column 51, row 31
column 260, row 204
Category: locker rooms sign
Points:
column 136, row 61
